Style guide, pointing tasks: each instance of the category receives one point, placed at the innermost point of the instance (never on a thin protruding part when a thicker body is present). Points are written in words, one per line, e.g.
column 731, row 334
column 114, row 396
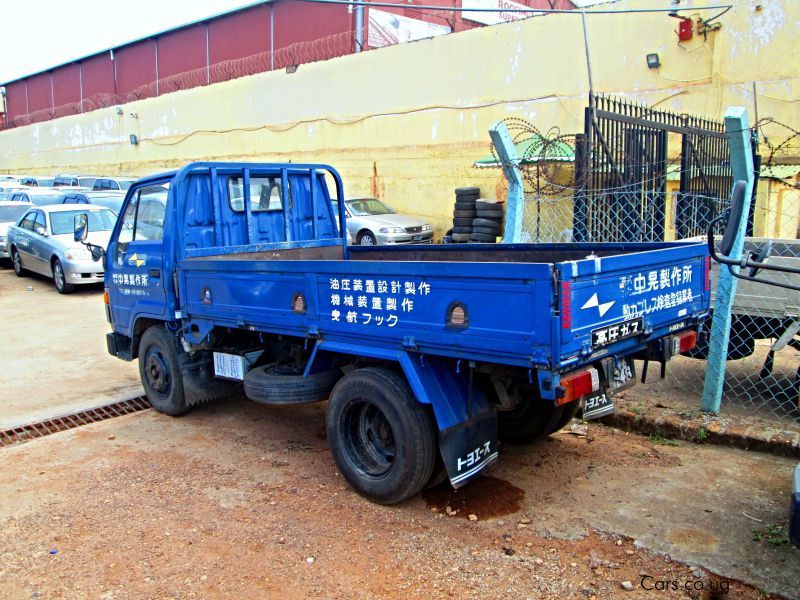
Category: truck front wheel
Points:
column 382, row 439
column 159, row 369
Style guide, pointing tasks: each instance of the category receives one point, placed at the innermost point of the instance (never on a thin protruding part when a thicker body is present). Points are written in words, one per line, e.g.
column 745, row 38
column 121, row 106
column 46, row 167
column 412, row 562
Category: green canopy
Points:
column 535, row 149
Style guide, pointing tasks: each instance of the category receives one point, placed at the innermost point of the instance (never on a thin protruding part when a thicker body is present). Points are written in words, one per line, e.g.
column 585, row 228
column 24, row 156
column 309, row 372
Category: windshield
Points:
column 86, row 181
column 112, row 202
column 368, row 206
column 10, row 214
column 64, row 222
column 124, row 185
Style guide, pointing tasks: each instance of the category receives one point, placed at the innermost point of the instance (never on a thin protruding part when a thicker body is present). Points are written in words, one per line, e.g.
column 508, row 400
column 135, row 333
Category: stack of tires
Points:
column 487, row 225
column 464, row 213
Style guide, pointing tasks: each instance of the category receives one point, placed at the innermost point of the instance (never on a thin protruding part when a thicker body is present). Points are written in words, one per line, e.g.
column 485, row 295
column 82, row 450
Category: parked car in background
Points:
column 10, row 213
column 39, row 197
column 84, row 181
column 8, row 187
column 43, row 242
column 36, row 181
column 372, row 222
column 112, row 183
column 109, row 198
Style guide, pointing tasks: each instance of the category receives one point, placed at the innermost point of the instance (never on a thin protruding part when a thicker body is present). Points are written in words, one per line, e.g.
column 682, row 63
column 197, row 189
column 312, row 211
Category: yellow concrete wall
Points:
column 407, row 122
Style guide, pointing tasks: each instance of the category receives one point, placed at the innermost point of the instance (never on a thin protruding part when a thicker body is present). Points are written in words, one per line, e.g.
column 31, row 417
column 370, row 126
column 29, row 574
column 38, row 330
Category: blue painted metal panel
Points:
column 517, row 311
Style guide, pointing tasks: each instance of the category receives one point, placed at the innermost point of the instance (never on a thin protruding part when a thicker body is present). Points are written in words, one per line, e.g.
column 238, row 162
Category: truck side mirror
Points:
column 81, row 227
column 735, row 217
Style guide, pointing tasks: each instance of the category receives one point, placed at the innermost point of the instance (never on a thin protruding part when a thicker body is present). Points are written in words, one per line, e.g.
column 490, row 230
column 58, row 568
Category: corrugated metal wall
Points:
column 222, row 48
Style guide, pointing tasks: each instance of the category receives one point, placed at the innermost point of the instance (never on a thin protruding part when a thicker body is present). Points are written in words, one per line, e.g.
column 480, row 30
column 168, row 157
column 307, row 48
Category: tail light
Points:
column 576, row 385
column 566, row 304
column 683, row 342
column 708, row 274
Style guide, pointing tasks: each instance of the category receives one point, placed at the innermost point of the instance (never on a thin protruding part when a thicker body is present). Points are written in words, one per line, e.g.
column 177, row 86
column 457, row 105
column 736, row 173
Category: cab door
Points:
column 135, row 278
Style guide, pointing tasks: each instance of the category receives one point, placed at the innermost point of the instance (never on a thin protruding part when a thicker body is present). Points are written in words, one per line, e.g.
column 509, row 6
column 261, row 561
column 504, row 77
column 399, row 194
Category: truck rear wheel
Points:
column 160, row 371
column 568, row 412
column 530, row 421
column 382, row 439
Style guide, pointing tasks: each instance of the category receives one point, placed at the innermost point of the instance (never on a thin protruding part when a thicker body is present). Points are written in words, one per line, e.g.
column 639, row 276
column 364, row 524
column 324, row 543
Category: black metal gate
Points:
column 623, row 167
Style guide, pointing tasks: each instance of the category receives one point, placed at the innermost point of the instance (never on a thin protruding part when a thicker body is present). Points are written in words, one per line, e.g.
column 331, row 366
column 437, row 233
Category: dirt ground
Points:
column 54, row 350
column 240, row 500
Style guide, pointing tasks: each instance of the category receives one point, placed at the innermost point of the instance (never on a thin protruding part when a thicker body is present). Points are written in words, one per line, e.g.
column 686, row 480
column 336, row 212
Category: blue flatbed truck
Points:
column 223, row 275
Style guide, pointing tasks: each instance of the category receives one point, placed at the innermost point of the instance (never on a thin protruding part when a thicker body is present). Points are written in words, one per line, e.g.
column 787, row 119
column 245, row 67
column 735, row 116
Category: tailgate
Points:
column 627, row 298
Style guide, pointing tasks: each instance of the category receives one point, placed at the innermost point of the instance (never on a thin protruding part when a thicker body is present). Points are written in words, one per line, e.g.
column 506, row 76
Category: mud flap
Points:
column 467, row 422
column 469, row 447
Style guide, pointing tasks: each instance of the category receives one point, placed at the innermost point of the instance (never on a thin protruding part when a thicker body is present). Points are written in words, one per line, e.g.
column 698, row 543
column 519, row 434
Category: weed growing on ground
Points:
column 657, row 438
column 772, row 534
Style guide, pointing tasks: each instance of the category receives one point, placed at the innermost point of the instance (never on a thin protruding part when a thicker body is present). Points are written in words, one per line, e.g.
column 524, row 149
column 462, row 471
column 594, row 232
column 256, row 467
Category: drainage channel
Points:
column 25, row 433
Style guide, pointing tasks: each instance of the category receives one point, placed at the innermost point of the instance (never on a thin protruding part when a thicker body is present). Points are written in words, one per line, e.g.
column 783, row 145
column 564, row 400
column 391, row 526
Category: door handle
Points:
column 155, row 273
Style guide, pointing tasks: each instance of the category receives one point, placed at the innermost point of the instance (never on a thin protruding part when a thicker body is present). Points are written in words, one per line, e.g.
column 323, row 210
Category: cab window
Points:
column 143, row 218
column 265, row 194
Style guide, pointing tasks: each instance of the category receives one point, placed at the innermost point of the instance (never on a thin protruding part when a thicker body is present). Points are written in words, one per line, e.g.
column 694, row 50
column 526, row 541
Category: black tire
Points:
column 464, row 214
column 568, row 413
column 367, row 238
column 383, row 441
column 60, row 279
column 274, row 384
column 468, row 191
column 460, row 238
column 462, row 222
column 462, row 204
column 16, row 262
column 528, row 422
column 488, row 205
column 483, row 213
column 464, row 230
column 483, row 222
column 160, row 365
column 482, row 237
column 491, row 231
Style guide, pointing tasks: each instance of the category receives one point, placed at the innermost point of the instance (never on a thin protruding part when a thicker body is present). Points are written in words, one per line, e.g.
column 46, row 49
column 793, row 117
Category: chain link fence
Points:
column 640, row 191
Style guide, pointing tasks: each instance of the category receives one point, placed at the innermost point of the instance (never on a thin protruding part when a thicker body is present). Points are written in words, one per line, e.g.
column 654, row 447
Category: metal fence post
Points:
column 741, row 153
column 515, row 205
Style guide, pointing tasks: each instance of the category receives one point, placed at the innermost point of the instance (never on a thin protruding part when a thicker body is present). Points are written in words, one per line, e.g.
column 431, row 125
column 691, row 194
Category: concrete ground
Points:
column 238, row 499
column 54, row 351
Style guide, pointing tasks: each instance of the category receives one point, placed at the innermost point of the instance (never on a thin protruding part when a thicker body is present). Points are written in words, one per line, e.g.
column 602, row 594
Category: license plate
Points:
column 623, row 375
column 417, row 238
column 597, row 405
column 603, row 336
column 229, row 366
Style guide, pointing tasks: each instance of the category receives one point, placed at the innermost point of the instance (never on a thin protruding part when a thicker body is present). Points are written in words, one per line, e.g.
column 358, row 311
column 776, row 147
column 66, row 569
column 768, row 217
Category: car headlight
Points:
column 426, row 227
column 78, row 254
column 392, row 230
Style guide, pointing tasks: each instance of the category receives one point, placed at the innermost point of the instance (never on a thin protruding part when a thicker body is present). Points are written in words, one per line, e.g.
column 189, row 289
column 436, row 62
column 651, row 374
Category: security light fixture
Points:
column 653, row 61
column 291, row 69
column 134, row 140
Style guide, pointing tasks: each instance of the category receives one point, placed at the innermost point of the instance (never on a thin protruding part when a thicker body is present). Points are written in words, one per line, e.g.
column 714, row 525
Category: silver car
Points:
column 43, row 242
column 371, row 222
column 10, row 212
